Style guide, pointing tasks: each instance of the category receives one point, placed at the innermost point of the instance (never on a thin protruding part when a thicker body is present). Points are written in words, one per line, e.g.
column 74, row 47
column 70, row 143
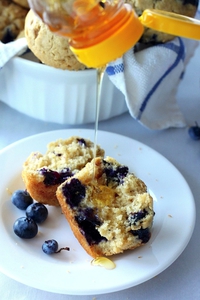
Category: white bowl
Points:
column 54, row 95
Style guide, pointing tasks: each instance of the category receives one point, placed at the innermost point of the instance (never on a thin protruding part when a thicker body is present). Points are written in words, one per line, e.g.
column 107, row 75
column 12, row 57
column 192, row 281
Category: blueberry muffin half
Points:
column 42, row 174
column 108, row 208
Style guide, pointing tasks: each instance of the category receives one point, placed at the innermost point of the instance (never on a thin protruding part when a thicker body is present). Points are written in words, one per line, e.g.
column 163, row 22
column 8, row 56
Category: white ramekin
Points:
column 54, row 95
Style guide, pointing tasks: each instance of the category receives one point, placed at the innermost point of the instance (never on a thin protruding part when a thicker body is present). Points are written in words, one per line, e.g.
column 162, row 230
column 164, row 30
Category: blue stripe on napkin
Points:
column 112, row 70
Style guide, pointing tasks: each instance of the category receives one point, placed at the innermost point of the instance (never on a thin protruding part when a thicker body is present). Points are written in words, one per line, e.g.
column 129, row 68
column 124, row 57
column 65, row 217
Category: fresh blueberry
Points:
column 21, row 199
column 194, row 132
column 37, row 211
column 51, row 246
column 25, row 228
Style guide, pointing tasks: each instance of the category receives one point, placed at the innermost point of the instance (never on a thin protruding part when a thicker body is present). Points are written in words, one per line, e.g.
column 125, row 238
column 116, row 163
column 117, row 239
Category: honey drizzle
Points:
column 100, row 74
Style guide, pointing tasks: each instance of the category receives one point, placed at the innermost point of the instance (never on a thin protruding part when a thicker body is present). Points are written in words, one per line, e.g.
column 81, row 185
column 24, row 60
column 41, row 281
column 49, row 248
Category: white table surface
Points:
column 181, row 280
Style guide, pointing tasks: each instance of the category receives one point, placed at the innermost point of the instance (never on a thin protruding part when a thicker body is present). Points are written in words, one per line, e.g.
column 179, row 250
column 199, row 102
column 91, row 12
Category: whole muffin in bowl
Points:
column 12, row 18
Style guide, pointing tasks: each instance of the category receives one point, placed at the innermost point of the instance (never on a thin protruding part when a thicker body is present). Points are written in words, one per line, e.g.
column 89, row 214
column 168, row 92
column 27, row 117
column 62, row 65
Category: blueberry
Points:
column 51, row 246
column 53, row 177
column 143, row 234
column 82, row 142
column 133, row 218
column 57, row 154
column 88, row 221
column 88, row 214
column 37, row 211
column 65, row 174
column 21, row 199
column 116, row 174
column 25, row 228
column 74, row 192
column 194, row 132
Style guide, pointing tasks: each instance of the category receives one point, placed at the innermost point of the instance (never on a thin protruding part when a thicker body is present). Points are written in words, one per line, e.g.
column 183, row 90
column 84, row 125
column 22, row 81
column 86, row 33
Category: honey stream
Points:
column 100, row 75
column 99, row 261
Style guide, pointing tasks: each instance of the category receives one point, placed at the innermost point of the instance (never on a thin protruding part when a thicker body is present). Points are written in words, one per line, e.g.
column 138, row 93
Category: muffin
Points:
column 23, row 3
column 51, row 49
column 42, row 174
column 108, row 208
column 12, row 19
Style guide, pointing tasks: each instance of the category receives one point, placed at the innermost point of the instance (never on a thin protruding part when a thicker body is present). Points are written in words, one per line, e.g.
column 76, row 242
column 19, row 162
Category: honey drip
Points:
column 103, row 262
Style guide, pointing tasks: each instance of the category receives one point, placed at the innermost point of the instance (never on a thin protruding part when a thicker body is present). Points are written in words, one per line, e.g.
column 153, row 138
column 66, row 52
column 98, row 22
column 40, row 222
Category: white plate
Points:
column 71, row 272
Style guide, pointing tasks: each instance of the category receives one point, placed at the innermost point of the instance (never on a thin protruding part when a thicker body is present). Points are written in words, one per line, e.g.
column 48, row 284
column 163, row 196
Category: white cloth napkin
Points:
column 7, row 51
column 149, row 79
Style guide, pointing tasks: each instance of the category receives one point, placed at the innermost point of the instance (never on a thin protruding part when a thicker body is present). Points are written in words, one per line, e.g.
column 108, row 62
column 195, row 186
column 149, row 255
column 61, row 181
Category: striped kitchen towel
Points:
column 149, row 79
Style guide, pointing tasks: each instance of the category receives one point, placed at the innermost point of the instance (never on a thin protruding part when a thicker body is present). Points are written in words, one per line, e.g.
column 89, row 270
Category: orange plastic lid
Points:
column 171, row 23
column 114, row 46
